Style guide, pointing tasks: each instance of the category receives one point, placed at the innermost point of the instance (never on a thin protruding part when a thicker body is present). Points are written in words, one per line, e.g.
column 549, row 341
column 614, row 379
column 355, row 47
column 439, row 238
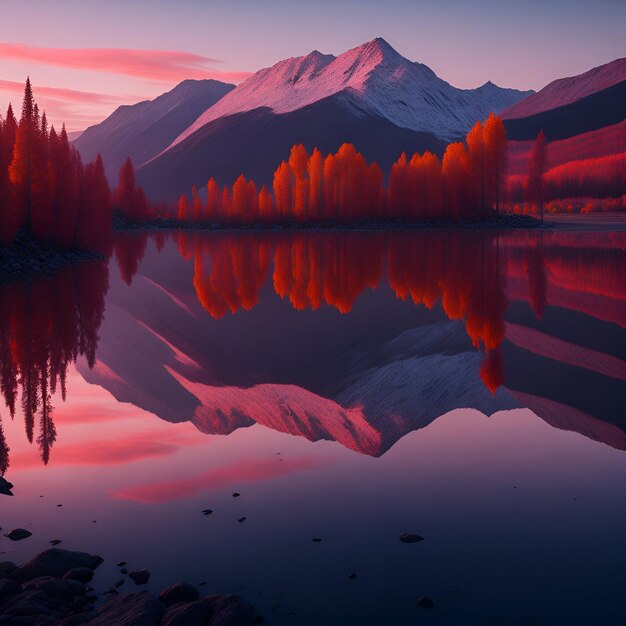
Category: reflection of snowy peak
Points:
column 372, row 78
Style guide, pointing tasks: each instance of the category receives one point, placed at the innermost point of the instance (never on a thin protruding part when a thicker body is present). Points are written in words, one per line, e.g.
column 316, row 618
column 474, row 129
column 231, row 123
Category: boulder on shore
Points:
column 55, row 562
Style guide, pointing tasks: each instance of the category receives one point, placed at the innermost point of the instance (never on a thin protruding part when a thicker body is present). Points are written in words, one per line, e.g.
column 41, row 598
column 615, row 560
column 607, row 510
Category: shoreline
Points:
column 53, row 589
column 26, row 257
column 501, row 222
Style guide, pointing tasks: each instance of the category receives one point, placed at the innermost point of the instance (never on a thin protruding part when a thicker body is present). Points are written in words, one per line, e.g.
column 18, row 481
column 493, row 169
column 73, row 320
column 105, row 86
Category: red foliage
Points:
column 593, row 144
column 130, row 200
column 312, row 269
column 343, row 187
column 44, row 186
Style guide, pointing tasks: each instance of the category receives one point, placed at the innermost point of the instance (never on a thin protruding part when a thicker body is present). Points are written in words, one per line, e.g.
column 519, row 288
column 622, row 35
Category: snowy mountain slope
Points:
column 144, row 129
column 568, row 90
column 376, row 79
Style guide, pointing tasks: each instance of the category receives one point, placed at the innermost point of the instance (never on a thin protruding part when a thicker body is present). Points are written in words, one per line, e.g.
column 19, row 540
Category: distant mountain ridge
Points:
column 565, row 91
column 144, row 129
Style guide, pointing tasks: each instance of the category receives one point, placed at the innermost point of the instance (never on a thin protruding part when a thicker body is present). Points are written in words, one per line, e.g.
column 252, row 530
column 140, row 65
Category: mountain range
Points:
column 370, row 96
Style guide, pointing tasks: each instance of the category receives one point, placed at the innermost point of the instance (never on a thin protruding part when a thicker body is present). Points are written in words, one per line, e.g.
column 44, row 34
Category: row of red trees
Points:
column 599, row 177
column 467, row 183
column 47, row 190
column 313, row 269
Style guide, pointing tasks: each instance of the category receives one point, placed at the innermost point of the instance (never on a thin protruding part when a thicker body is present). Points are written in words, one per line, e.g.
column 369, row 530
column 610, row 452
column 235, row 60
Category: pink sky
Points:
column 85, row 57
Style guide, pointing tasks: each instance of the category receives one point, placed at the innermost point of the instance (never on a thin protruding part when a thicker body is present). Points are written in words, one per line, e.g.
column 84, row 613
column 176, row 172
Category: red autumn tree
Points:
column 239, row 207
column 266, row 205
column 298, row 162
column 28, row 171
column 536, row 172
column 183, row 208
column 125, row 190
column 476, row 153
column 494, row 140
column 94, row 221
column 315, row 169
column 455, row 177
column 283, row 191
column 214, row 200
column 9, row 219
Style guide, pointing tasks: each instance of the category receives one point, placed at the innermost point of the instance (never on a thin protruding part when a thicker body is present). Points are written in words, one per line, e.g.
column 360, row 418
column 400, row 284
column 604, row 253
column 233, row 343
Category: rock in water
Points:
column 199, row 612
column 81, row 574
column 8, row 588
column 7, row 568
column 180, row 592
column 231, row 610
column 55, row 562
column 17, row 534
column 136, row 608
column 425, row 603
column 139, row 576
column 5, row 487
column 410, row 538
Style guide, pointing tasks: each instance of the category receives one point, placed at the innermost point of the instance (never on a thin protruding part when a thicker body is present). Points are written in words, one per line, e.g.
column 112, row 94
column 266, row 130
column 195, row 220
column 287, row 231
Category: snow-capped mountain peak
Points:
column 372, row 78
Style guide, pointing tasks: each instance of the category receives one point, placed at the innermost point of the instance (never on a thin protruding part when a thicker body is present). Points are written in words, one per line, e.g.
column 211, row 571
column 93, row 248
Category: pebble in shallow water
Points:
column 139, row 576
column 425, row 603
column 17, row 534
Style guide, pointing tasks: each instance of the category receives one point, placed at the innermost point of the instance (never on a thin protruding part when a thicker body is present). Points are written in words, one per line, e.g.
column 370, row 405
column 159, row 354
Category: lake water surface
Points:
column 469, row 387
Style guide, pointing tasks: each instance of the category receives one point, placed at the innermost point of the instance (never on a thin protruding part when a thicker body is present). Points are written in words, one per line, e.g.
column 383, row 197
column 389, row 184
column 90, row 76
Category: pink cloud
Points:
column 245, row 471
column 67, row 95
column 159, row 65
column 77, row 109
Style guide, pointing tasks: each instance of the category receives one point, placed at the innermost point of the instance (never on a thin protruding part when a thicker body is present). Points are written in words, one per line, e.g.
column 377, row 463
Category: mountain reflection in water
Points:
column 354, row 337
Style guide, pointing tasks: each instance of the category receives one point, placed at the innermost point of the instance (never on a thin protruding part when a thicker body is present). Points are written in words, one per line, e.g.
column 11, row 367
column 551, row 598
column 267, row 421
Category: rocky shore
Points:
column 53, row 589
column 25, row 257
column 499, row 222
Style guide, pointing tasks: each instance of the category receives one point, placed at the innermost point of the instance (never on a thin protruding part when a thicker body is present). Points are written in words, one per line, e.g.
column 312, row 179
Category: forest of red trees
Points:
column 468, row 183
column 47, row 190
column 584, row 172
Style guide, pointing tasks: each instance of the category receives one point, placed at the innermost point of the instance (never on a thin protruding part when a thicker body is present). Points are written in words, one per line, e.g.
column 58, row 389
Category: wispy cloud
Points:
column 78, row 109
column 155, row 65
column 68, row 95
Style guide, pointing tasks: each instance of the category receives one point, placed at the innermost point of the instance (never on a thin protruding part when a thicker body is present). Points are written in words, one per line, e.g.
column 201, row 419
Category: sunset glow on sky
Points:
column 86, row 58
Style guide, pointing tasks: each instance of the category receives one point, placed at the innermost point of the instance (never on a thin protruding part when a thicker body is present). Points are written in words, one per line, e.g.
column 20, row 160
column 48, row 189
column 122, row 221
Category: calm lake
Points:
column 469, row 387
